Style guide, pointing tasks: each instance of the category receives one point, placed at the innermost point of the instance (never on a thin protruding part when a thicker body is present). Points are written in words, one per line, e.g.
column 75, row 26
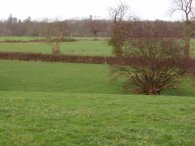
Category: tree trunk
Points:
column 188, row 39
column 187, row 47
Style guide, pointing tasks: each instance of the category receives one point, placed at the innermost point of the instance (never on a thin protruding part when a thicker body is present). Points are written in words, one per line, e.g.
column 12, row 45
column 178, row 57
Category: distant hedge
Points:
column 39, row 40
column 188, row 63
column 54, row 58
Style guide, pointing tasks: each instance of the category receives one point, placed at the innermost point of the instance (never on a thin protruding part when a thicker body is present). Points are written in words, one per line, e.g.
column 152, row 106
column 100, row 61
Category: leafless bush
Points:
column 157, row 71
column 160, row 50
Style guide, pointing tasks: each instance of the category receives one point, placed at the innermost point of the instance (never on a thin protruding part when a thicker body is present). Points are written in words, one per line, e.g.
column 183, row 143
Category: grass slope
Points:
column 70, row 78
column 56, row 77
column 76, row 104
column 90, row 119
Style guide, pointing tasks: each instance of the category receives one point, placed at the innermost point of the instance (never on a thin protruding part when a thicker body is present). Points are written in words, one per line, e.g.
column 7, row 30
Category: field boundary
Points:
column 39, row 40
column 133, row 61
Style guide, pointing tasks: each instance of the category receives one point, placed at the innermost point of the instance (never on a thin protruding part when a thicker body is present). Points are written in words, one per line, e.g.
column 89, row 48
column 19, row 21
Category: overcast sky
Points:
column 65, row 9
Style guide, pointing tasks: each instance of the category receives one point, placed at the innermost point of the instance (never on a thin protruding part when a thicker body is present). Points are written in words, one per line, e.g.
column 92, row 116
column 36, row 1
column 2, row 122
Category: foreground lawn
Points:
column 89, row 119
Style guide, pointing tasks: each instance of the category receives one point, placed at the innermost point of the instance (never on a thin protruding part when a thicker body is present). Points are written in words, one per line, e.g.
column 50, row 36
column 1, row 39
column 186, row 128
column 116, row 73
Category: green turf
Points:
column 192, row 51
column 82, row 47
column 55, row 77
column 77, row 104
column 85, row 46
column 21, row 38
column 185, row 88
column 70, row 78
column 25, row 47
column 90, row 119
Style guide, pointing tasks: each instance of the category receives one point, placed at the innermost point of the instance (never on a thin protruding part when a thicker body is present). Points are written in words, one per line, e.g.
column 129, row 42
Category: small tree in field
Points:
column 55, row 48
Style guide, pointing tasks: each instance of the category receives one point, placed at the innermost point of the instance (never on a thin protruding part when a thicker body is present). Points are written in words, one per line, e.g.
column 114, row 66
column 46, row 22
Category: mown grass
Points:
column 20, row 38
column 81, row 47
column 70, row 78
column 56, row 77
column 185, row 87
column 77, row 104
column 39, row 118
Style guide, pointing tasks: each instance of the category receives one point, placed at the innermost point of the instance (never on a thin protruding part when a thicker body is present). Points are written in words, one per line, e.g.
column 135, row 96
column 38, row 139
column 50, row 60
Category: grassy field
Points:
column 70, row 78
column 56, row 77
column 22, row 38
column 78, row 104
column 81, row 47
column 90, row 119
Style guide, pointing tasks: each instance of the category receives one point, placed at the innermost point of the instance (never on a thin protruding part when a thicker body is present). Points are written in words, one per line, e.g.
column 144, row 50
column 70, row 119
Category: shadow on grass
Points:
column 185, row 88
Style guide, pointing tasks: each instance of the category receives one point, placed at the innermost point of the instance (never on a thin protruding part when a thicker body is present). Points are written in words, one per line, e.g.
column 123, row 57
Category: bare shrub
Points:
column 158, row 69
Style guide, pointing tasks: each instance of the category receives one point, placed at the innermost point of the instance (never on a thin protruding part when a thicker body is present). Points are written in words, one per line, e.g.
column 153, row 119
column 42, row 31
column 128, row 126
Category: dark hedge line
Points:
column 40, row 40
column 55, row 58
column 69, row 58
column 133, row 61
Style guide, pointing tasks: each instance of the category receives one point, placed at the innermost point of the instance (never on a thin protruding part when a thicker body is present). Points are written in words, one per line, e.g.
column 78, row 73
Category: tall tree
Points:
column 186, row 7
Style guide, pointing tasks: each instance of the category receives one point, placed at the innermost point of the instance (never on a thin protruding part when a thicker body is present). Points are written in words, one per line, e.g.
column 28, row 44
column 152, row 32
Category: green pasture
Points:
column 70, row 78
column 56, row 77
column 20, row 38
column 78, row 104
column 37, row 118
column 83, row 46
column 80, row 47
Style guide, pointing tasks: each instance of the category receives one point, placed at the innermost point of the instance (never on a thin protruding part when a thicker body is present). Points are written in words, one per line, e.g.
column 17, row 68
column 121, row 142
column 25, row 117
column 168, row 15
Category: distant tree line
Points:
column 66, row 28
column 63, row 28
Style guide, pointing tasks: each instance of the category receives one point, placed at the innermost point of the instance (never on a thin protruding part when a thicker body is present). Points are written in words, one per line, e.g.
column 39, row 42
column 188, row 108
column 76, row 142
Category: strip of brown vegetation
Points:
column 133, row 61
column 40, row 40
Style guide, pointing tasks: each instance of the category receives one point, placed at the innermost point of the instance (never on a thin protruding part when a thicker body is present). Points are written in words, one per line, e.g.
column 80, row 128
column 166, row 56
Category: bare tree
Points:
column 187, row 9
column 117, row 15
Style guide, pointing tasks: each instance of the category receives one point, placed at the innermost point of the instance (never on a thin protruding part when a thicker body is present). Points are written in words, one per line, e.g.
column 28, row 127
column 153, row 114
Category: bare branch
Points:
column 186, row 7
column 118, row 13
